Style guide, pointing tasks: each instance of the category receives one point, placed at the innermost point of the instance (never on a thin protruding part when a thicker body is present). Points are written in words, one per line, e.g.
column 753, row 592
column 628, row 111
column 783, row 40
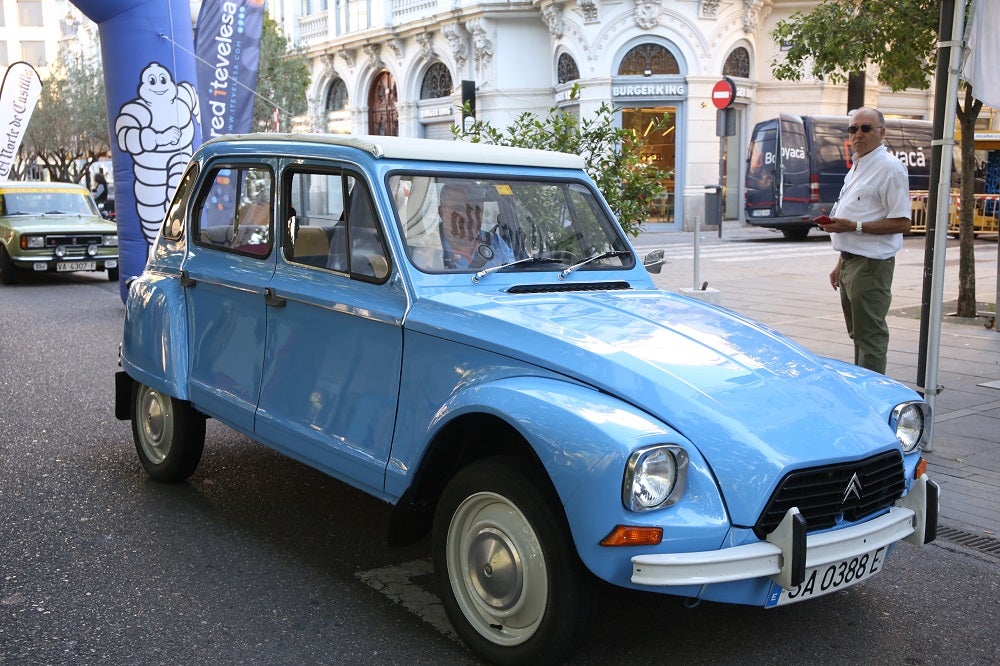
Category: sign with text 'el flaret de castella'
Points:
column 21, row 88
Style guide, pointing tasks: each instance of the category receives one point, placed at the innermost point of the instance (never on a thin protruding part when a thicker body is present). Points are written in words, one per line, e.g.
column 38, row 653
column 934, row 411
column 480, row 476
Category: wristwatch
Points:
column 857, row 229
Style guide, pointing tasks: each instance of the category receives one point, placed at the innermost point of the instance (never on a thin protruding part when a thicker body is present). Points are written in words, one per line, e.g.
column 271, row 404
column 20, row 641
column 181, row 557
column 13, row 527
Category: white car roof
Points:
column 435, row 150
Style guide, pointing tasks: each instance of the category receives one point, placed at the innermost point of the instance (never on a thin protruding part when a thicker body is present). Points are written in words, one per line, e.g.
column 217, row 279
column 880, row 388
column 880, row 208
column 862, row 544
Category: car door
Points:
column 794, row 174
column 334, row 329
column 229, row 262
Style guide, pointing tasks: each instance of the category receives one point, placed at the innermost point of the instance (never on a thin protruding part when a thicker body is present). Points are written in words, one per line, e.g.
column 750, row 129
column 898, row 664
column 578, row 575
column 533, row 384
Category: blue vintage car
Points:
column 465, row 332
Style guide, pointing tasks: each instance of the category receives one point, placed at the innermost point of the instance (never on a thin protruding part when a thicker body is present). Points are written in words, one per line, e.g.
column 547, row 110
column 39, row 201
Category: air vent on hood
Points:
column 568, row 286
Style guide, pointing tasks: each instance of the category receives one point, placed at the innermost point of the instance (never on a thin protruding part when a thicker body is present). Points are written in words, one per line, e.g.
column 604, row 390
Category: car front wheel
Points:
column 513, row 587
column 169, row 434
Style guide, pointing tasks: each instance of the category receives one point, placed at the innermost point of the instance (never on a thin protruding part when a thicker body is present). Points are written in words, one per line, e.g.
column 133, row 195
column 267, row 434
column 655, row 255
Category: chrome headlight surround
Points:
column 655, row 477
column 909, row 422
column 29, row 242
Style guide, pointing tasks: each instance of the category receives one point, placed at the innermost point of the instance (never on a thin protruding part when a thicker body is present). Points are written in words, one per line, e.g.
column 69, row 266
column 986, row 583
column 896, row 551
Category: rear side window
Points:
column 234, row 214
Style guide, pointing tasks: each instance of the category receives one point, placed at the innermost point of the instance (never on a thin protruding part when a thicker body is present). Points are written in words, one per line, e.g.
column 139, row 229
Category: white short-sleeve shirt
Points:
column 877, row 187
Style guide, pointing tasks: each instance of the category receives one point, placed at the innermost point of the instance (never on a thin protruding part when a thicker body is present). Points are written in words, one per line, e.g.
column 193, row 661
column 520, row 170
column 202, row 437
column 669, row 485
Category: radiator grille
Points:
column 825, row 495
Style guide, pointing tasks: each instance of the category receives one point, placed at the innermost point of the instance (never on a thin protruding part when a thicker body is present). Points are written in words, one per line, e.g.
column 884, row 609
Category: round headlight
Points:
column 908, row 420
column 92, row 250
column 60, row 251
column 654, row 478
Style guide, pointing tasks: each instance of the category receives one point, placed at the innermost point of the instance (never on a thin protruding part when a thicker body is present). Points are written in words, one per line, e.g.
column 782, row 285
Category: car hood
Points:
column 47, row 224
column 753, row 402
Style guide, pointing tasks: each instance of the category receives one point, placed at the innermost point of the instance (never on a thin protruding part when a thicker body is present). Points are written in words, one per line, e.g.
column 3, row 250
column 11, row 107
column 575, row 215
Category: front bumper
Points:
column 788, row 552
column 48, row 263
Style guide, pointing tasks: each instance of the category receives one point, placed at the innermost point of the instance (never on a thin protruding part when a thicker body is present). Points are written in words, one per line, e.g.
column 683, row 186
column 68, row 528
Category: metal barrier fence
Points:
column 985, row 219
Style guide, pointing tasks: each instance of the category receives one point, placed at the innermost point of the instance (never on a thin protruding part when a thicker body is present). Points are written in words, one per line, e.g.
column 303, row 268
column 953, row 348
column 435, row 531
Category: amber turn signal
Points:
column 624, row 535
column 920, row 469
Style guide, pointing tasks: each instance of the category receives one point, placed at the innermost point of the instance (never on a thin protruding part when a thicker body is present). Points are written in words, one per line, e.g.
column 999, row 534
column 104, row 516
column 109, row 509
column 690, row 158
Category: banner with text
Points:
column 227, row 48
column 21, row 88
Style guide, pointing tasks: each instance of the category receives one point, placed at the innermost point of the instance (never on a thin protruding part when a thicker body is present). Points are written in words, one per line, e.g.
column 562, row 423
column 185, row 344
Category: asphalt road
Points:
column 258, row 559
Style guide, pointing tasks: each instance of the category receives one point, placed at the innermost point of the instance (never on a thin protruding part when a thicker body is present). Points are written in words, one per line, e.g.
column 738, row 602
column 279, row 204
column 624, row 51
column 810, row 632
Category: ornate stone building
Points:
column 396, row 67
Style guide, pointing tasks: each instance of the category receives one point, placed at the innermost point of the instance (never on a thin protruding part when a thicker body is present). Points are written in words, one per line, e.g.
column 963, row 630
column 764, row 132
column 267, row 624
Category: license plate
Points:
column 111, row 263
column 76, row 266
column 760, row 212
column 829, row 578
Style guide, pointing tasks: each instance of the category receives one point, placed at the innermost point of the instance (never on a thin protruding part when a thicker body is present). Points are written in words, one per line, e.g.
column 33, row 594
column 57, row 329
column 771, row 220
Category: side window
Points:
column 173, row 222
column 332, row 225
column 235, row 213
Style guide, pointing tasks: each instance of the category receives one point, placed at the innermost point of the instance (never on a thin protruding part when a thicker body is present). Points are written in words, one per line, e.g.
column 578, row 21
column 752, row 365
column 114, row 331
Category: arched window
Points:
column 738, row 63
column 336, row 95
column 437, row 82
column 648, row 59
column 566, row 68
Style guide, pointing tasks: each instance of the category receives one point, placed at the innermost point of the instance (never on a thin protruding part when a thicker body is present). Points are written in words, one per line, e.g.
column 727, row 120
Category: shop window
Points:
column 738, row 64
column 648, row 60
column 437, row 82
column 566, row 68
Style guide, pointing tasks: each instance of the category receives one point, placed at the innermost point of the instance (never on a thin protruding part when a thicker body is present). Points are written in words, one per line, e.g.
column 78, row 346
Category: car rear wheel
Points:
column 8, row 271
column 169, row 434
column 512, row 584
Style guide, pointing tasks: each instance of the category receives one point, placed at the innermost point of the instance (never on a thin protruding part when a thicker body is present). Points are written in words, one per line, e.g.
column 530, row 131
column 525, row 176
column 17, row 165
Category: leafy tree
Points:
column 899, row 37
column 613, row 154
column 68, row 131
column 282, row 79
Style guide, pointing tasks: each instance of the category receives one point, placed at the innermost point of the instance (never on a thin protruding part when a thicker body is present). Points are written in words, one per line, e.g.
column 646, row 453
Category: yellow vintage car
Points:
column 53, row 227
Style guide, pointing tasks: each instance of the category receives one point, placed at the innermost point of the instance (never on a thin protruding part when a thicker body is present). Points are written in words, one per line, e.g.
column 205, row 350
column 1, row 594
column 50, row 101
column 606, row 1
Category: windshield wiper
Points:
column 594, row 257
column 520, row 262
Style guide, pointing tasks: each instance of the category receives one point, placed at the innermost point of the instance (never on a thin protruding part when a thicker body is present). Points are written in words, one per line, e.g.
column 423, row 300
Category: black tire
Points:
column 169, row 434
column 113, row 274
column 535, row 608
column 795, row 233
column 9, row 273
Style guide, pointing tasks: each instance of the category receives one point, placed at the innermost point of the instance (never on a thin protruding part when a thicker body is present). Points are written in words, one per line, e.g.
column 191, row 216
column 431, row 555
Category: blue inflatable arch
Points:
column 149, row 75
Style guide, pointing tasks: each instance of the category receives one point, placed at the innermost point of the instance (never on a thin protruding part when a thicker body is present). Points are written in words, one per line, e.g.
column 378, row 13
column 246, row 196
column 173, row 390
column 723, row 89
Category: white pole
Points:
column 931, row 388
column 697, row 255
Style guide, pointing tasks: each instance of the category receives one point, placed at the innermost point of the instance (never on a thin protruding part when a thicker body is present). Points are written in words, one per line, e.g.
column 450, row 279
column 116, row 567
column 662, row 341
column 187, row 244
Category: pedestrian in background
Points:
column 100, row 189
column 866, row 226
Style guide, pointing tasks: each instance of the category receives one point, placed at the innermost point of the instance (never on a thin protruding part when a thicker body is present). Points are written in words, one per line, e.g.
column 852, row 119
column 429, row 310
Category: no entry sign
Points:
column 724, row 93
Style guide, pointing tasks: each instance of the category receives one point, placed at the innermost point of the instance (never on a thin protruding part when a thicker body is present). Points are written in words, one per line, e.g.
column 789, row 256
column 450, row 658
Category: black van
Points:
column 796, row 166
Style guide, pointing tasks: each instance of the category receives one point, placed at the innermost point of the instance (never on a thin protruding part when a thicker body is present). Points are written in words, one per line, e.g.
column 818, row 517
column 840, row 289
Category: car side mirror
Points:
column 654, row 261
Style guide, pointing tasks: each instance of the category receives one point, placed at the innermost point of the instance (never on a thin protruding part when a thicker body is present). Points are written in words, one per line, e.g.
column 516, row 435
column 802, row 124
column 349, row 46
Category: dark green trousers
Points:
column 865, row 295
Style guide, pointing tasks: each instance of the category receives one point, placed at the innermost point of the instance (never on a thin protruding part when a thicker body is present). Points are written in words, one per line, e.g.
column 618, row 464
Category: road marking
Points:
column 397, row 582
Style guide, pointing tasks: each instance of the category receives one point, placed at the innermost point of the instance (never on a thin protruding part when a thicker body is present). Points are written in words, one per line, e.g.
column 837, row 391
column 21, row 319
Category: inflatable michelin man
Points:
column 157, row 129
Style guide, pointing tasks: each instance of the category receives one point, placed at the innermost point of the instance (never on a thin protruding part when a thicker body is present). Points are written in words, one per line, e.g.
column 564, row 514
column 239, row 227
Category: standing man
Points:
column 867, row 225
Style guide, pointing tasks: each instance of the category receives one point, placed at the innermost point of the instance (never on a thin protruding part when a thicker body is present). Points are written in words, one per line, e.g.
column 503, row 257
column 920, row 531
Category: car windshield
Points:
column 51, row 203
column 466, row 225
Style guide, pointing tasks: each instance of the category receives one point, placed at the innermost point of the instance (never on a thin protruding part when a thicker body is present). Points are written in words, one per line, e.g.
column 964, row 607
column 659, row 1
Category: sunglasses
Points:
column 851, row 129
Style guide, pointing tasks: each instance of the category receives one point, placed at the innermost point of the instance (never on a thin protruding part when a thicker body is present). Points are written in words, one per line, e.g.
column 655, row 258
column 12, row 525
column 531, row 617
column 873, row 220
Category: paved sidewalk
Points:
column 792, row 294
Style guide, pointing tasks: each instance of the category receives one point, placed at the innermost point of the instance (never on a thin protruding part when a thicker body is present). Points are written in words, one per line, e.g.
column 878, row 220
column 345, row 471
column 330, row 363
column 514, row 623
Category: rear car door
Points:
column 794, row 174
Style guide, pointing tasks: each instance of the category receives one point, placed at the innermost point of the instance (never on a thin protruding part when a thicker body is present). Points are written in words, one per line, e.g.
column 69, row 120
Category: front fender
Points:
column 584, row 438
column 154, row 342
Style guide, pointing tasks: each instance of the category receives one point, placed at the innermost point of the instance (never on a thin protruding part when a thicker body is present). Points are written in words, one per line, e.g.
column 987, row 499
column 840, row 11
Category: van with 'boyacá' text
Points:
column 796, row 166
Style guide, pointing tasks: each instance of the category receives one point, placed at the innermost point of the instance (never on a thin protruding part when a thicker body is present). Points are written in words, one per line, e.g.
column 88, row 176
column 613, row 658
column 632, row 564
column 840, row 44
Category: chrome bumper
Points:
column 788, row 552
